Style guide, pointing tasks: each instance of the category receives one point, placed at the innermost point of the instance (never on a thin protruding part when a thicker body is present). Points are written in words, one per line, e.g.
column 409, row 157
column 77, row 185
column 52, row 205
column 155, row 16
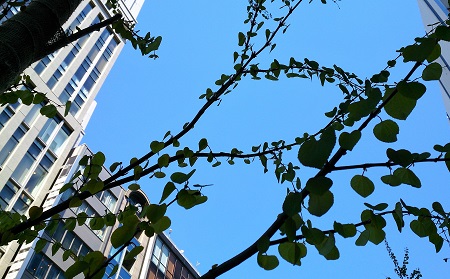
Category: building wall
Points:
column 159, row 259
column 33, row 149
column 436, row 11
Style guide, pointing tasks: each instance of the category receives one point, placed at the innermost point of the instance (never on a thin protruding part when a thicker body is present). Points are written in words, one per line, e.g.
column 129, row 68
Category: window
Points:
column 108, row 199
column 6, row 114
column 39, row 173
column 22, row 170
column 71, row 241
column 128, row 264
column 166, row 265
column 22, row 203
column 6, row 194
column 41, row 266
column 12, row 143
column 32, row 114
column 48, row 128
column 60, row 139
column 55, row 77
column 160, row 255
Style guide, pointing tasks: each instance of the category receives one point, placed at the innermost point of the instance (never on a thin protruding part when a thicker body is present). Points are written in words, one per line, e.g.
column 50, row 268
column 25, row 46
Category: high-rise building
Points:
column 436, row 11
column 158, row 259
column 37, row 156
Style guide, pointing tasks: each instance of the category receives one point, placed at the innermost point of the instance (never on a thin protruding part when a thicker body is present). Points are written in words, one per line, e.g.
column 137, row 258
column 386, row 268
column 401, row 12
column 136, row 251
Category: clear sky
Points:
column 142, row 99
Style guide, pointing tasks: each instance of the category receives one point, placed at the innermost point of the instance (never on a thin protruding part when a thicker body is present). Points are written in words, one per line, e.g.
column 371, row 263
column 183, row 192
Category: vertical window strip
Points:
column 41, row 266
column 83, row 69
column 5, row 116
column 12, row 143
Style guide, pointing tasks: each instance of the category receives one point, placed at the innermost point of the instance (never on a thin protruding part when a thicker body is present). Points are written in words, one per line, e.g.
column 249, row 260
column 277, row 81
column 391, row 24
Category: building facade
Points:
column 159, row 259
column 436, row 11
column 38, row 155
column 33, row 147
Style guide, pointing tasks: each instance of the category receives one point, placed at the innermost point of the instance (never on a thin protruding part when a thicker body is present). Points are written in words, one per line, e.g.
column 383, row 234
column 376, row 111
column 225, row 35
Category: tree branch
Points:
column 387, row 164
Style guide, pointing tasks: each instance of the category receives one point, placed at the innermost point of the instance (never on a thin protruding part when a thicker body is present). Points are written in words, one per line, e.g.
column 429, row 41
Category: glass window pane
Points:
column 7, row 150
column 59, row 141
column 47, row 130
column 22, row 204
column 32, row 114
column 6, row 194
column 34, row 263
column 23, row 169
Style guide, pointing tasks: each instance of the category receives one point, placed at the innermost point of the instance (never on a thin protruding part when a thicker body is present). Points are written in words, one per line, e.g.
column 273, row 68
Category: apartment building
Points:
column 436, row 11
column 38, row 155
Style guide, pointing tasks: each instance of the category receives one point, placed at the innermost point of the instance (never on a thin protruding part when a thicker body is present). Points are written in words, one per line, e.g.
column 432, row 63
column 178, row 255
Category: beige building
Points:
column 37, row 156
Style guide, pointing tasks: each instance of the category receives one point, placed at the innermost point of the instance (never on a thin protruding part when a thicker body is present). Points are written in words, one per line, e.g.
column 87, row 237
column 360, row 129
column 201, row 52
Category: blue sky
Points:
column 142, row 99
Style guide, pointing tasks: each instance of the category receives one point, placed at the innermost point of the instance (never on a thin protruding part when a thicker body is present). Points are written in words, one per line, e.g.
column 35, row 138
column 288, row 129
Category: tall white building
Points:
column 435, row 11
column 33, row 147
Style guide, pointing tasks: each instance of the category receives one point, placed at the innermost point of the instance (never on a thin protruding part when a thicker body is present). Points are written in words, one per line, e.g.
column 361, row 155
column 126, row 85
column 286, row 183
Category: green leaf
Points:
column 419, row 52
column 402, row 157
column 134, row 187
column 345, row 230
column 40, row 244
column 438, row 208
column 443, row 33
column 156, row 212
column 162, row 225
column 349, row 140
column 126, row 232
column 435, row 53
column 327, row 245
column 292, row 203
column 386, row 131
column 391, row 180
column 263, row 244
column 432, row 72
column 378, row 207
column 168, row 189
column 156, row 146
column 418, row 228
column 35, row 212
column 75, row 269
column 319, row 185
column 398, row 216
column 333, row 254
column 49, row 111
column 98, row 159
column 437, row 240
column 55, row 247
column 67, row 108
column 163, row 161
column 202, row 144
column 362, row 185
column 292, row 252
column 407, row 176
column 318, row 205
column 363, row 238
column 413, row 90
column 314, row 153
column 241, row 39
column 376, row 236
column 267, row 262
column 97, row 223
column 179, row 177
column 190, row 198
column 133, row 253
column 399, row 106
column 114, row 166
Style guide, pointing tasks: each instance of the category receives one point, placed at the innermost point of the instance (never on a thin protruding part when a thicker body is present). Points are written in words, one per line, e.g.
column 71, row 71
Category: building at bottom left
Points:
column 159, row 259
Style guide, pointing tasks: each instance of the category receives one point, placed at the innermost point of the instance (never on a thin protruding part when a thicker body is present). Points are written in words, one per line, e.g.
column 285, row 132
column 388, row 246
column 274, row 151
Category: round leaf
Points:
column 362, row 185
column 386, row 131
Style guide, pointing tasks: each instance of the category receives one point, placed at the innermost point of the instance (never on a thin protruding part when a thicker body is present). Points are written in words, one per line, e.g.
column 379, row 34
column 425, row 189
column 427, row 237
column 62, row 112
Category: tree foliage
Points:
column 376, row 103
